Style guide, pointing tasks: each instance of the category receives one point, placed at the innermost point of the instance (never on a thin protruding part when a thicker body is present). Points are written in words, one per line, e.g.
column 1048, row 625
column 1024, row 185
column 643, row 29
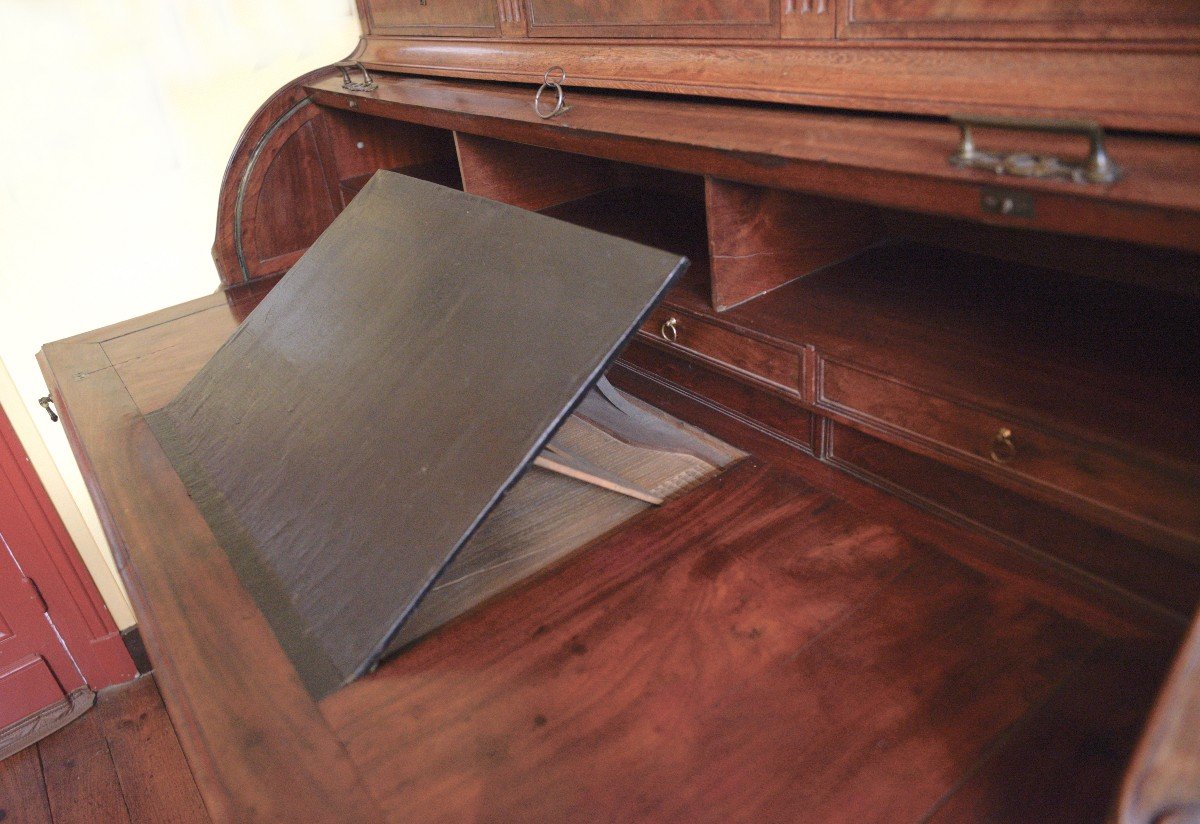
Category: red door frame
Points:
column 47, row 555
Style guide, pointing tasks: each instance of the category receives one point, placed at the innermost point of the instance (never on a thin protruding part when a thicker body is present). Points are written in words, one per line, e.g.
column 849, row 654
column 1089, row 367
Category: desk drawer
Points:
column 768, row 364
column 1136, row 485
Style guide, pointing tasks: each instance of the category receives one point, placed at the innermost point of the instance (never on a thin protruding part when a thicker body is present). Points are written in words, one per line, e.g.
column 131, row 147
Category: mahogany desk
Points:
column 783, row 643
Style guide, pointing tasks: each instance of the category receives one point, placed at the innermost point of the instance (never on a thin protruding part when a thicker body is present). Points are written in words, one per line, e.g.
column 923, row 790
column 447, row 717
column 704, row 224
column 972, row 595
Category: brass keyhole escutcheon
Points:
column 670, row 330
column 1003, row 449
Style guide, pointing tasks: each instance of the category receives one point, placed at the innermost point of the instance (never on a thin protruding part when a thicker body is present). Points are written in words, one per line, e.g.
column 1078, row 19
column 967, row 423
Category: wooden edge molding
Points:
column 893, row 162
column 259, row 747
column 1124, row 86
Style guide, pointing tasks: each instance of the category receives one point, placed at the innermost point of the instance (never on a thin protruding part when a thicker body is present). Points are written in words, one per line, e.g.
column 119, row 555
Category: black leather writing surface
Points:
column 369, row 413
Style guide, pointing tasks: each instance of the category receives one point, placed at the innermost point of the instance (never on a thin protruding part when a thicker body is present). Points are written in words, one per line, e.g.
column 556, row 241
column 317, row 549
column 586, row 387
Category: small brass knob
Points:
column 1003, row 449
column 670, row 330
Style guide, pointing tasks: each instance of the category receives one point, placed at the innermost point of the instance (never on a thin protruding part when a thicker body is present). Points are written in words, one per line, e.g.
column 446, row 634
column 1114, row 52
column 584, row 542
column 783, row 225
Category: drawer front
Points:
column 1161, row 576
column 457, row 18
column 1149, row 491
column 767, row 411
column 653, row 18
column 768, row 364
column 988, row 19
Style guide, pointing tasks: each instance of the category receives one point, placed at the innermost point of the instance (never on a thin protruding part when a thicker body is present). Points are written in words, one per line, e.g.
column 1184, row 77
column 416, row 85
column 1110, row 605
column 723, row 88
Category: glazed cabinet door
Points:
column 653, row 18
column 448, row 18
column 1018, row 19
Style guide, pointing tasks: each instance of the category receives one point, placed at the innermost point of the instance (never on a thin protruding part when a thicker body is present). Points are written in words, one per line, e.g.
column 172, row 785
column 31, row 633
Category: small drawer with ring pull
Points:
column 1068, row 466
column 778, row 367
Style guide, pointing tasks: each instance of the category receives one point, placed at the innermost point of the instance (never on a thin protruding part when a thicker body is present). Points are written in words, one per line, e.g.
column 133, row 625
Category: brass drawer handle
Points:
column 670, row 330
column 1097, row 168
column 1003, row 449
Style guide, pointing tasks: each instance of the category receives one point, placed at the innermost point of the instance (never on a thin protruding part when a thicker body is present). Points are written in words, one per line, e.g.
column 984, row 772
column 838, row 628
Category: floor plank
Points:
column 81, row 781
column 152, row 769
column 779, row 653
column 22, row 791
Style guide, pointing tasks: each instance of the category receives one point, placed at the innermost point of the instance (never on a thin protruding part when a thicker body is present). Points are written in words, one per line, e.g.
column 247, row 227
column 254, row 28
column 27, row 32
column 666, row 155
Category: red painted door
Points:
column 56, row 636
column 35, row 668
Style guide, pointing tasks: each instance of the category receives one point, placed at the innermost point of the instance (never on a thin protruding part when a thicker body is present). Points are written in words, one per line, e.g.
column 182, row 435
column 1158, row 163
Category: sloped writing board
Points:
column 364, row 419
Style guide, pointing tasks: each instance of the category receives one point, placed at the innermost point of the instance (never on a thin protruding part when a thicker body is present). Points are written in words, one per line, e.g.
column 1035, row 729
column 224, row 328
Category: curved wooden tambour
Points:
column 295, row 168
column 281, row 127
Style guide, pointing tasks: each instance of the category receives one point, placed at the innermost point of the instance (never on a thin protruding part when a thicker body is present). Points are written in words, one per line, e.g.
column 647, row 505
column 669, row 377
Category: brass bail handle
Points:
column 554, row 77
column 366, row 85
column 1097, row 168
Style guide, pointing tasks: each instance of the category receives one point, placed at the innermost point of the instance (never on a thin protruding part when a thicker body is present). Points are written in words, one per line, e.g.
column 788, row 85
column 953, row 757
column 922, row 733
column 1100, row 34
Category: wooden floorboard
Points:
column 151, row 767
column 22, row 790
column 81, row 781
column 119, row 762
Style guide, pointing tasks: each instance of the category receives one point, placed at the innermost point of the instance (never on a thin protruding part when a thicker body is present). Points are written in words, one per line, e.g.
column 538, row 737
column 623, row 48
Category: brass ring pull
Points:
column 670, row 330
column 554, row 77
column 1003, row 449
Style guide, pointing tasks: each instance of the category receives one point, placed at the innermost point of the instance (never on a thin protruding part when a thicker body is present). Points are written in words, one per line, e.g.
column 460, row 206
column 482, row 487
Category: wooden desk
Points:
column 781, row 644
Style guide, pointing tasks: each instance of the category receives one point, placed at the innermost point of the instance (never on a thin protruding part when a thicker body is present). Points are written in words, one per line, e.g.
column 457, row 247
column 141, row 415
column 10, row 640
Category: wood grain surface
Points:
column 762, row 238
column 257, row 745
column 666, row 653
column 856, row 674
column 1124, row 85
column 892, row 162
column 120, row 762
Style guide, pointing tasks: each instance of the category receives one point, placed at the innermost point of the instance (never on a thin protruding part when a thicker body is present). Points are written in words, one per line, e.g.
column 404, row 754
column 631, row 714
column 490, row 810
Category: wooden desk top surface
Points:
column 758, row 649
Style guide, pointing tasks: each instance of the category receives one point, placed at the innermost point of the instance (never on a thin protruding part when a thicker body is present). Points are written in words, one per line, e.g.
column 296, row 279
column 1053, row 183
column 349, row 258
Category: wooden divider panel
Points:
column 528, row 176
column 762, row 238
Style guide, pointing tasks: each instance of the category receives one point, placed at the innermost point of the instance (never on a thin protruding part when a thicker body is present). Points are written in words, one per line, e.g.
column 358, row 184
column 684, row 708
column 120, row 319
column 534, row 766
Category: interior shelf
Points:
column 443, row 171
column 1040, row 342
column 646, row 216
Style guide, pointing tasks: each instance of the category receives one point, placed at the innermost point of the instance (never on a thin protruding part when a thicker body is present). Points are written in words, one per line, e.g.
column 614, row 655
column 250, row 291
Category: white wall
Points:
column 118, row 119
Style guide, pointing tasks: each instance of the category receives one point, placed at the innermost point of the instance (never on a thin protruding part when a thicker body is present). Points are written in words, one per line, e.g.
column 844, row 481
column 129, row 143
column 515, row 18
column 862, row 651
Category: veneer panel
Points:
column 662, row 18
column 458, row 18
column 758, row 624
column 979, row 19
column 762, row 238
